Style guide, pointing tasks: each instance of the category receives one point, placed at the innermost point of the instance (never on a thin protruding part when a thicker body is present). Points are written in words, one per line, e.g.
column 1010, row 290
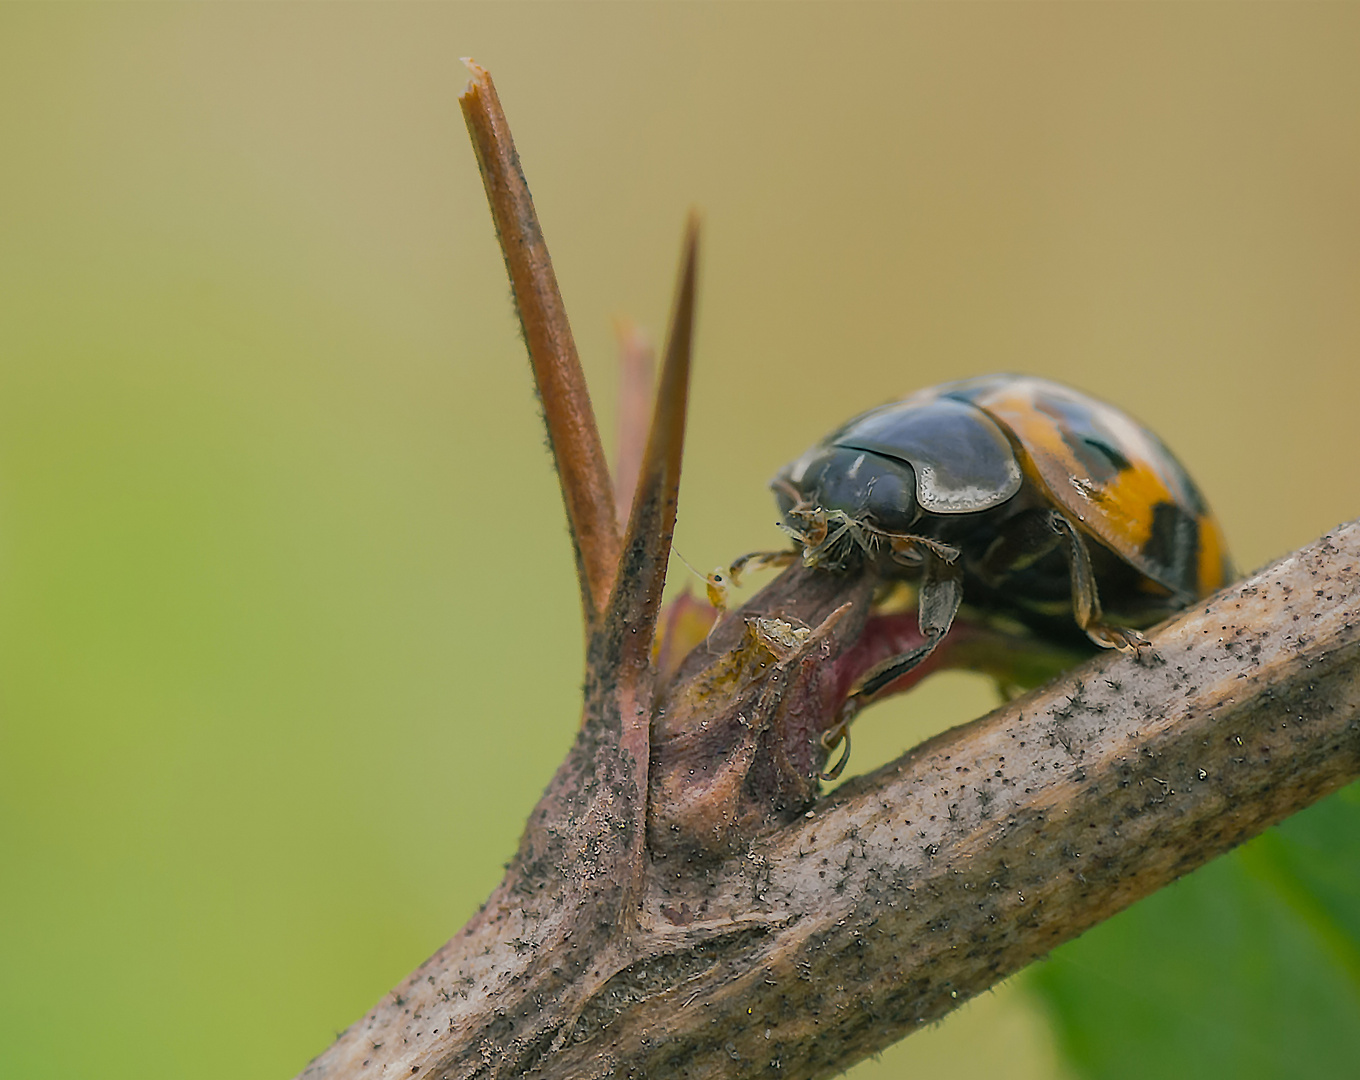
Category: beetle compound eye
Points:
column 890, row 496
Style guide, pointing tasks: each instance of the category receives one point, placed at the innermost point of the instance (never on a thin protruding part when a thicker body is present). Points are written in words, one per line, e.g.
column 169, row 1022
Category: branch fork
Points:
column 681, row 854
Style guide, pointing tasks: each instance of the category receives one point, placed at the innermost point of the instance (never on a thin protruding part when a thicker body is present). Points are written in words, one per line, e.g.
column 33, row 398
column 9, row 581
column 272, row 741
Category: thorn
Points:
column 572, row 431
column 628, row 627
column 636, row 597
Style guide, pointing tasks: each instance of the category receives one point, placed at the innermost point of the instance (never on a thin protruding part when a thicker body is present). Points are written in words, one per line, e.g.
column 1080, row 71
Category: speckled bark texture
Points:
column 910, row 890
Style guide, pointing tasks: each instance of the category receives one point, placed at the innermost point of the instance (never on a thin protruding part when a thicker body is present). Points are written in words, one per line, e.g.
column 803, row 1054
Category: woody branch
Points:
column 916, row 887
column 816, row 943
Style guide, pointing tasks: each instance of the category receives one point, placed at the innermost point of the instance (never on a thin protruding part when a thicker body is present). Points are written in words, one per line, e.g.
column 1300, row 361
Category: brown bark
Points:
column 914, row 888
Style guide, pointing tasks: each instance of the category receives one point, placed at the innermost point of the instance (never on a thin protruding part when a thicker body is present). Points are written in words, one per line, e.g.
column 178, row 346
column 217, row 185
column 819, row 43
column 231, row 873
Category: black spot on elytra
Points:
column 1110, row 453
column 1174, row 542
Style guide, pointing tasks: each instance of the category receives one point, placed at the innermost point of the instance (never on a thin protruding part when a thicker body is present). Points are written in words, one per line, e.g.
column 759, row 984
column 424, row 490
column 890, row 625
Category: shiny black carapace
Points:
column 1025, row 497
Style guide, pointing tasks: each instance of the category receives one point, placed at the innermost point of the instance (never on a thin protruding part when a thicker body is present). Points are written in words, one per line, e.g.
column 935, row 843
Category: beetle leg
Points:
column 1085, row 599
column 1027, row 538
column 840, row 734
column 907, row 548
column 760, row 560
column 941, row 592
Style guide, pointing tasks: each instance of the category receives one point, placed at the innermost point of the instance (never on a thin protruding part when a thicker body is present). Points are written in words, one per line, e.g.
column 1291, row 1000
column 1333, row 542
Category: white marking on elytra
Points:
column 955, row 500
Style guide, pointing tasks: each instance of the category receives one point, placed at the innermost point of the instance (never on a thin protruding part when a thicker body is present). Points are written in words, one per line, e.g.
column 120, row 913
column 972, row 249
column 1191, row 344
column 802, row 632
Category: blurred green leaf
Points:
column 1248, row 968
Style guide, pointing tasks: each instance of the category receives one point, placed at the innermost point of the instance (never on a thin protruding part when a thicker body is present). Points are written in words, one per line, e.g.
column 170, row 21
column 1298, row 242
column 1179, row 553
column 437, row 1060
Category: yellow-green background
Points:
column 288, row 630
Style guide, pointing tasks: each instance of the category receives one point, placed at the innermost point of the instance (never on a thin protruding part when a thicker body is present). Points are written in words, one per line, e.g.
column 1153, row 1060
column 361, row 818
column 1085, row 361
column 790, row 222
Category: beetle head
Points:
column 836, row 500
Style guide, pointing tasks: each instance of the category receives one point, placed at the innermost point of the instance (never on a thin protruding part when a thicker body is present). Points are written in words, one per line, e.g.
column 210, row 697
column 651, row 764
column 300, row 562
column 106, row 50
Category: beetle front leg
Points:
column 760, row 560
column 940, row 595
column 718, row 581
column 938, row 603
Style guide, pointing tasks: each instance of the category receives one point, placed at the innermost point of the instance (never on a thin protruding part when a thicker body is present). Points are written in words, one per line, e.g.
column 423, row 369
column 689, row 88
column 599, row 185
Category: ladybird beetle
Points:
column 1034, row 500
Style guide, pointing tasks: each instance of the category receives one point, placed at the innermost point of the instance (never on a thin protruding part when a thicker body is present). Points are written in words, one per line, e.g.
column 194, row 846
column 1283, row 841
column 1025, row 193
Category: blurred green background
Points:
column 288, row 627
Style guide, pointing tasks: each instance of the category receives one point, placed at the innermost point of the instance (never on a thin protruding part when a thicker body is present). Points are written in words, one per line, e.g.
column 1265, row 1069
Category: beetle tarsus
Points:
column 838, row 735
